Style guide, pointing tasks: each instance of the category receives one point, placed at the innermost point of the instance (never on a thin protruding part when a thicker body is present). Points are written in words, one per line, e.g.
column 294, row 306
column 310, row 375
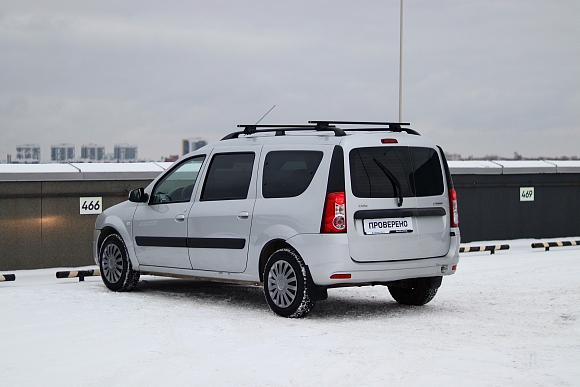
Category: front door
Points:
column 160, row 226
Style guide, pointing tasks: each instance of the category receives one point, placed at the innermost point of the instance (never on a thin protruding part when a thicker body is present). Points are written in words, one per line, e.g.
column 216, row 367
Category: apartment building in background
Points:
column 125, row 153
column 28, row 154
column 93, row 152
column 191, row 144
column 62, row 153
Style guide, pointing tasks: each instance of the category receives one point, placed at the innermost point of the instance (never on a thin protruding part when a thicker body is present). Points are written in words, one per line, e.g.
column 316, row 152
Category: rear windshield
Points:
column 377, row 172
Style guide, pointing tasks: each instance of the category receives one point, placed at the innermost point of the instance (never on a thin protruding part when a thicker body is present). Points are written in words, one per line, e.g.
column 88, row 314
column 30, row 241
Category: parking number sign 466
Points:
column 526, row 194
column 92, row 205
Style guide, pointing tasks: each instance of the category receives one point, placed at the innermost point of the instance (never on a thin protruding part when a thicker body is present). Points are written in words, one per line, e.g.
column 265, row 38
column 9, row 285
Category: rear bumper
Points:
column 328, row 254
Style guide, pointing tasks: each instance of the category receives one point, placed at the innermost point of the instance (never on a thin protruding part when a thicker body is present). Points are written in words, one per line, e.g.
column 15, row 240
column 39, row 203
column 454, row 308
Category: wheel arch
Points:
column 268, row 249
column 105, row 232
column 109, row 229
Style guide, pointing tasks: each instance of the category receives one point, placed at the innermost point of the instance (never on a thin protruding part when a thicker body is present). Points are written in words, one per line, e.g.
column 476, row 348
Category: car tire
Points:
column 116, row 269
column 416, row 291
column 286, row 284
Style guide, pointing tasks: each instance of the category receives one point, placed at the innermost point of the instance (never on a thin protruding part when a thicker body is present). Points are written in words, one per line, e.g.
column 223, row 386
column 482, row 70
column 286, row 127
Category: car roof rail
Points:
column 322, row 126
column 391, row 126
column 281, row 130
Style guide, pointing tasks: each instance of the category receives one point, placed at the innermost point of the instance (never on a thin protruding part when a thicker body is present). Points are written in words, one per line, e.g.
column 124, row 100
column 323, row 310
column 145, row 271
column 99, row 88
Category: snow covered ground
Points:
column 509, row 319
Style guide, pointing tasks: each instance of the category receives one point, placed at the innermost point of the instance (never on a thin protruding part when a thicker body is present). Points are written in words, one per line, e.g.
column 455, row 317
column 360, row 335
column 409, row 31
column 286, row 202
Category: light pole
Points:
column 401, row 67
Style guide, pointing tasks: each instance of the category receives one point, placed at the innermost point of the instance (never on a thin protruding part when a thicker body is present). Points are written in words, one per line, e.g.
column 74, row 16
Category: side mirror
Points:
column 138, row 196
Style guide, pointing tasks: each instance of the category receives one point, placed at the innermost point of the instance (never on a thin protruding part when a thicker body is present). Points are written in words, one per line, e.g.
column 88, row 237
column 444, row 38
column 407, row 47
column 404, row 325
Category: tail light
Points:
column 453, row 208
column 334, row 216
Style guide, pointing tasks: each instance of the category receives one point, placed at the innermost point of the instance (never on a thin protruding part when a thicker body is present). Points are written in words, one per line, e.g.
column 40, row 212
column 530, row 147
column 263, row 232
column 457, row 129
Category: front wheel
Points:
column 116, row 269
column 286, row 284
column 416, row 291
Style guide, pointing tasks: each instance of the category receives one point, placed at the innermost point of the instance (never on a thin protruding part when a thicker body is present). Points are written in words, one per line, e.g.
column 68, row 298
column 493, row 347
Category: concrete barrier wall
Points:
column 40, row 223
column 491, row 207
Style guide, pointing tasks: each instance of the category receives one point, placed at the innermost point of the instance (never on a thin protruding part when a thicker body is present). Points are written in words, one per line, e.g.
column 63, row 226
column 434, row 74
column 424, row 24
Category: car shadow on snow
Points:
column 340, row 308
column 242, row 296
column 339, row 305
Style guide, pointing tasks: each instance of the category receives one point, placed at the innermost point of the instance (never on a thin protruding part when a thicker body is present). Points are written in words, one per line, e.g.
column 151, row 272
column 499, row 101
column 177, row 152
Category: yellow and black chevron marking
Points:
column 81, row 274
column 547, row 245
column 491, row 249
column 7, row 277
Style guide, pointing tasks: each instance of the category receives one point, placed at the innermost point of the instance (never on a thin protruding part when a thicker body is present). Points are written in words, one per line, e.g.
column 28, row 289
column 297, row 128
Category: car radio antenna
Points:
column 268, row 112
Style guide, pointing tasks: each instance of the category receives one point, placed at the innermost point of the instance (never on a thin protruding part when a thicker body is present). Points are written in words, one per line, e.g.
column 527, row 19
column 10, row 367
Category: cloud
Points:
column 152, row 73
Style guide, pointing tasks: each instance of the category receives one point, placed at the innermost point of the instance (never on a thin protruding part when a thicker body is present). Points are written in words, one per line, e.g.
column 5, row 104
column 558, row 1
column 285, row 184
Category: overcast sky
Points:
column 479, row 77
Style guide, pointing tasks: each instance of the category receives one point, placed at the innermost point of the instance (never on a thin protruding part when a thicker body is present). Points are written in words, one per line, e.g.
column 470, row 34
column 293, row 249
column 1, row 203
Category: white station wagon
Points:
column 299, row 209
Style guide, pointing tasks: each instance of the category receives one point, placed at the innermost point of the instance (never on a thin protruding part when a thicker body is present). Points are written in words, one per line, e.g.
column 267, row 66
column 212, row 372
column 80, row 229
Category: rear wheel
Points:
column 116, row 269
column 286, row 284
column 416, row 291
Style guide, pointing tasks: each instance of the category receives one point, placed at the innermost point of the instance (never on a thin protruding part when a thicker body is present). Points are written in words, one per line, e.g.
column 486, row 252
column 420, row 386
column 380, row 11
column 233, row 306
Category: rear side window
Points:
column 228, row 177
column 378, row 172
column 289, row 173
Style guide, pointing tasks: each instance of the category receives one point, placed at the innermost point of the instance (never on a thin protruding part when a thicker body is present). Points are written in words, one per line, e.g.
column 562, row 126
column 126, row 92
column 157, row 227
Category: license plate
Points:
column 388, row 226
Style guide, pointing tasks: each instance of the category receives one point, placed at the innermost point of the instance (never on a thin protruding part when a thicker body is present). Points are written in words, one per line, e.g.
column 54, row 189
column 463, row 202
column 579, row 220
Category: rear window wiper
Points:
column 394, row 181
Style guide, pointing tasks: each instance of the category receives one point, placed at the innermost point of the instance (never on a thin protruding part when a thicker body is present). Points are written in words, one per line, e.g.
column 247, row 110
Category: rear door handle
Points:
column 244, row 215
column 180, row 218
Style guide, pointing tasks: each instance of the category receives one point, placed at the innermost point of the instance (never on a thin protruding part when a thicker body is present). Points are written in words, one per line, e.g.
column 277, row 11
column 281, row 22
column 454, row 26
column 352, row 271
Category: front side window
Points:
column 177, row 185
column 228, row 177
column 289, row 173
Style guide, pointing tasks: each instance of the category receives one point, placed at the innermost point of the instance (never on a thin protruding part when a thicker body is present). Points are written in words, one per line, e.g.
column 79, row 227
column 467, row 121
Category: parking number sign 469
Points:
column 526, row 194
column 92, row 205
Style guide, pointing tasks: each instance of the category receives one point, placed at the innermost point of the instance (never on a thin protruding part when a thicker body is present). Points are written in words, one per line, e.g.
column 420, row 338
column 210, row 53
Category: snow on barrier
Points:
column 7, row 277
column 81, row 274
column 547, row 245
column 491, row 249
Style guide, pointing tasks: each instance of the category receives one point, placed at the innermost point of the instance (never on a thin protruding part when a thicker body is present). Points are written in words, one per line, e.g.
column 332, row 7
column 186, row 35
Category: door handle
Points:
column 244, row 215
column 180, row 218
